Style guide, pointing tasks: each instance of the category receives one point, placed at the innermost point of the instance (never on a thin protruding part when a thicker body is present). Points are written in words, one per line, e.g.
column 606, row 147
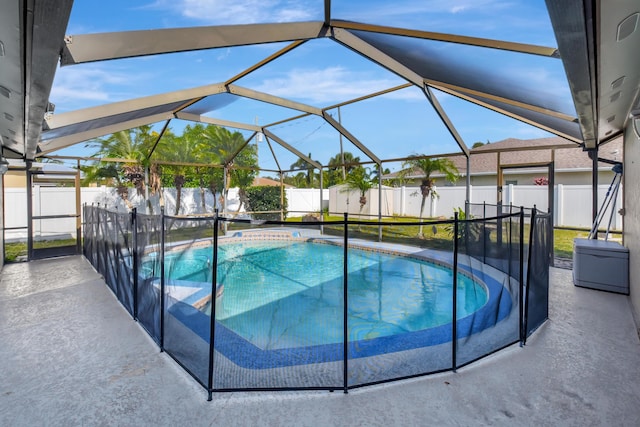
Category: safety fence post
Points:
column 454, row 323
column 484, row 232
column 214, row 289
column 521, row 276
column 162, row 288
column 345, row 305
column 134, row 259
column 102, row 240
column 532, row 235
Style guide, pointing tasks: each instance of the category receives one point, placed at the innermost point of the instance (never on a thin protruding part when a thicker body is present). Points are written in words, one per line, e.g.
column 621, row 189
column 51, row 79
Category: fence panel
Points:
column 537, row 293
column 188, row 268
column 148, row 238
column 279, row 307
column 399, row 301
column 488, row 293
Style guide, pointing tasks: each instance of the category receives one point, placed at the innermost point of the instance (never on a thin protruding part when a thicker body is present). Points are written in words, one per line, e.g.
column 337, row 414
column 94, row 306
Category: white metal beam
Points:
column 476, row 101
column 437, row 84
column 218, row 122
column 275, row 100
column 55, row 121
column 337, row 126
column 265, row 61
column 126, row 44
column 277, row 139
column 445, row 119
column 450, row 38
column 55, row 144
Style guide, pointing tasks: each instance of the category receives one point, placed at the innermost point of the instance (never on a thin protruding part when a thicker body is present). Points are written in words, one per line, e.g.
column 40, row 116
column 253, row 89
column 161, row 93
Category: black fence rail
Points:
column 333, row 305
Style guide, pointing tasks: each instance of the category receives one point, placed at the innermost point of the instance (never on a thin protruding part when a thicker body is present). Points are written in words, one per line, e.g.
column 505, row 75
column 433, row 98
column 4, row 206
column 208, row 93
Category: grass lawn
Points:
column 563, row 242
column 441, row 239
column 437, row 236
column 13, row 250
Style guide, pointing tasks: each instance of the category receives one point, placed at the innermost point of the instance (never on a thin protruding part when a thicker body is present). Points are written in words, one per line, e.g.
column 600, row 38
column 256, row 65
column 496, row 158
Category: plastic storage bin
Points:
column 601, row 264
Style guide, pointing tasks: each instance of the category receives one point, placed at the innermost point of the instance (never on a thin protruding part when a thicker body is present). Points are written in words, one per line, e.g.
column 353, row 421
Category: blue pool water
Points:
column 280, row 295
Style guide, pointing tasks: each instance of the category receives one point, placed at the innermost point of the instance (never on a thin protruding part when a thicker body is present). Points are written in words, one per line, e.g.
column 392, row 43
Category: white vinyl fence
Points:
column 573, row 203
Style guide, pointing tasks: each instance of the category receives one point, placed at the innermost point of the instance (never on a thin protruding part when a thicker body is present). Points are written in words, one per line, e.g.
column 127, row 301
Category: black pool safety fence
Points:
column 325, row 305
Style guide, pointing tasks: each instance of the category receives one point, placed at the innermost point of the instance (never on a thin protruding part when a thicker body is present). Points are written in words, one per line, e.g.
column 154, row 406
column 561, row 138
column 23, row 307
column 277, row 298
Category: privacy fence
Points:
column 572, row 204
column 269, row 305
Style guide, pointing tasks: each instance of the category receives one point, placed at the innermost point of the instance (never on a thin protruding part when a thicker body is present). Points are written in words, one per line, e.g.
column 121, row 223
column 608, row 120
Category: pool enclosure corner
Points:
column 269, row 305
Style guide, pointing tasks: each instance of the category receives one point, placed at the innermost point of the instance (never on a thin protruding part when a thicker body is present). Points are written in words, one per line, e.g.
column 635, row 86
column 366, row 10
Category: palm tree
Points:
column 360, row 179
column 337, row 166
column 205, row 177
column 302, row 164
column 134, row 145
column 230, row 149
column 178, row 149
column 428, row 166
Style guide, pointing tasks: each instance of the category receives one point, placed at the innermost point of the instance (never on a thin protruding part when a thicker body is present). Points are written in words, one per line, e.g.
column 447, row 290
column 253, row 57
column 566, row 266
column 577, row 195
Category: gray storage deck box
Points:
column 601, row 264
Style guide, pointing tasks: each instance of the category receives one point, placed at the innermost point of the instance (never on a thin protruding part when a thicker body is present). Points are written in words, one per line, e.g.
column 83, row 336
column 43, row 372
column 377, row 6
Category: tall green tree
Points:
column 302, row 164
column 335, row 167
column 180, row 150
column 428, row 166
column 203, row 177
column 239, row 158
column 134, row 145
column 360, row 179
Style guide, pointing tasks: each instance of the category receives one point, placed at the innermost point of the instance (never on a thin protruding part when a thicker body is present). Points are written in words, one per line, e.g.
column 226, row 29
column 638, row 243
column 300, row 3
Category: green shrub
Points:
column 265, row 198
column 467, row 231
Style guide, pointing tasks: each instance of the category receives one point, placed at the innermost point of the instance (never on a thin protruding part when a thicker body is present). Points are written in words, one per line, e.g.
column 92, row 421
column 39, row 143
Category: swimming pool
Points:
column 287, row 296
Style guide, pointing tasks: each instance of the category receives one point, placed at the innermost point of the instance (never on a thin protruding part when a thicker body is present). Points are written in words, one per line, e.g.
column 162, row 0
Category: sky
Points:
column 322, row 73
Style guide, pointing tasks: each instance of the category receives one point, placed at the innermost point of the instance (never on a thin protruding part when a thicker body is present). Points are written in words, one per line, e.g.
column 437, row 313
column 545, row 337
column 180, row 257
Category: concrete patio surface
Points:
column 71, row 355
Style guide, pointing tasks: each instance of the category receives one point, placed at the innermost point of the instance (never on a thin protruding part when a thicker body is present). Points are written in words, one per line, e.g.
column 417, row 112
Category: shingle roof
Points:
column 262, row 181
column 566, row 159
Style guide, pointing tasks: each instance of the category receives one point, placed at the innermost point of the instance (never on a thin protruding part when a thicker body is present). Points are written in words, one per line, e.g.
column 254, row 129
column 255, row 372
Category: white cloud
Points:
column 238, row 11
column 224, row 54
column 332, row 84
column 432, row 7
column 75, row 87
column 456, row 9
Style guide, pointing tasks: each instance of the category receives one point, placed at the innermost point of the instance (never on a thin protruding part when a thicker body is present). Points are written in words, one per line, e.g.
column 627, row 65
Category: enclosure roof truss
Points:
column 582, row 30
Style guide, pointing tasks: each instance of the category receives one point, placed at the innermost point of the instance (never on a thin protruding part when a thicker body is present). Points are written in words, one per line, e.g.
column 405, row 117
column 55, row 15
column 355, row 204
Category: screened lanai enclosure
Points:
column 271, row 305
column 152, row 99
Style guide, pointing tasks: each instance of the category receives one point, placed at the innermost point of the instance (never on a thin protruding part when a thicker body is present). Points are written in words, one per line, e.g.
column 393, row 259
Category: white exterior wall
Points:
column 632, row 217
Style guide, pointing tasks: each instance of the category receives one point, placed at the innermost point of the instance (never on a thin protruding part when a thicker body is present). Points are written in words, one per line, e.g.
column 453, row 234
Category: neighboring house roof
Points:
column 566, row 159
column 261, row 181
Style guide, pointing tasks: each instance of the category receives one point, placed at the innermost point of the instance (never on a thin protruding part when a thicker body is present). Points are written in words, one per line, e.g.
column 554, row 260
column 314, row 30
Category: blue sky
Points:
column 322, row 72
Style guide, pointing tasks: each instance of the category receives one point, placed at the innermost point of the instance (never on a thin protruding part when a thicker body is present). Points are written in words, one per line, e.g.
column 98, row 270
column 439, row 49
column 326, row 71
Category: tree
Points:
column 239, row 159
column 360, row 179
column 133, row 145
column 205, row 178
column 334, row 175
column 302, row 164
column 178, row 149
column 428, row 166
column 374, row 174
column 298, row 180
column 266, row 198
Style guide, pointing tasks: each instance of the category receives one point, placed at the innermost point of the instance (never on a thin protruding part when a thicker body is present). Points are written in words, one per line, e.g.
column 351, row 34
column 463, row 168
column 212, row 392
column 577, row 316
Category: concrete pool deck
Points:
column 71, row 355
